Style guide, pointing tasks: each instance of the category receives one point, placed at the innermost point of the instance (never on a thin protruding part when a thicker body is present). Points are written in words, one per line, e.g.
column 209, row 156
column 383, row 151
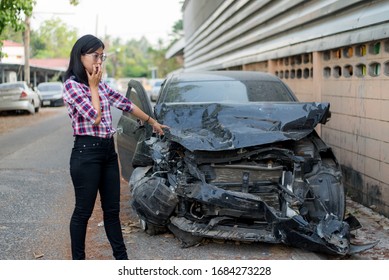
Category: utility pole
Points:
column 26, row 39
column 97, row 25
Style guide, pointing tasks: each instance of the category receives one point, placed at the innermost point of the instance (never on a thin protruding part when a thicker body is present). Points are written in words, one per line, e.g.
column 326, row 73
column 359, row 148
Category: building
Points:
column 327, row 50
column 41, row 70
column 13, row 52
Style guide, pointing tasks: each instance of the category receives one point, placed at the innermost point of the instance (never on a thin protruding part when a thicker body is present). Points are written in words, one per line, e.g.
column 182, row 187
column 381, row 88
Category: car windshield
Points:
column 49, row 87
column 228, row 91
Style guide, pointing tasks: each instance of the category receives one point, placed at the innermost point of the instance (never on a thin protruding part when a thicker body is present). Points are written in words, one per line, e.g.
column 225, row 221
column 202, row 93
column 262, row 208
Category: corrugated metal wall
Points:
column 231, row 33
column 325, row 50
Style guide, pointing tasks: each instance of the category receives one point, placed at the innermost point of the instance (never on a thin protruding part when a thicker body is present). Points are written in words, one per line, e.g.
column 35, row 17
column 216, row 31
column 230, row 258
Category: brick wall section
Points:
column 357, row 86
column 355, row 80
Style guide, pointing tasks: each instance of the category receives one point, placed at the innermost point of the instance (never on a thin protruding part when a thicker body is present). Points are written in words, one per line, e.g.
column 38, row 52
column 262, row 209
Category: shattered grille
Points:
column 234, row 173
column 262, row 181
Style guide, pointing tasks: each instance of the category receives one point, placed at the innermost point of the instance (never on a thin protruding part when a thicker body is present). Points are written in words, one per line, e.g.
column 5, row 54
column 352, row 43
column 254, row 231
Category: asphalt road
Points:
column 35, row 190
column 36, row 201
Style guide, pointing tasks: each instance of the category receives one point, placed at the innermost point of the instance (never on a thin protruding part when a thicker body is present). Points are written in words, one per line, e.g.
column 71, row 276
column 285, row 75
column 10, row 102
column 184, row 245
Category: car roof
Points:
column 50, row 83
column 222, row 76
column 10, row 84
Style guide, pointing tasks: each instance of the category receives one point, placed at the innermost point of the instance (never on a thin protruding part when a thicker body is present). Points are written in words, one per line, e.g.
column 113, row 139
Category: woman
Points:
column 94, row 163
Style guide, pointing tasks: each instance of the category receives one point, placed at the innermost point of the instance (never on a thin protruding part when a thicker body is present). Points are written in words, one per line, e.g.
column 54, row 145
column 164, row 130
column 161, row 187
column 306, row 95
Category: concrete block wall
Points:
column 355, row 80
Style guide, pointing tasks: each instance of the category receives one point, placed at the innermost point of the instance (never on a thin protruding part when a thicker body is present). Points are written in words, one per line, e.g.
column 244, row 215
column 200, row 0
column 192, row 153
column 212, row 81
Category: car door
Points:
column 132, row 132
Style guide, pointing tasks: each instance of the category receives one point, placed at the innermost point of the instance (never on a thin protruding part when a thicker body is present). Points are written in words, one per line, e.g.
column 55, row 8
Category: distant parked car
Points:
column 51, row 93
column 18, row 96
column 112, row 83
column 155, row 89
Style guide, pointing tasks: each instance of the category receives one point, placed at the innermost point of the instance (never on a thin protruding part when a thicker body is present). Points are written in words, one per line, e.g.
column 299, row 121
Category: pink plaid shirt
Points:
column 77, row 98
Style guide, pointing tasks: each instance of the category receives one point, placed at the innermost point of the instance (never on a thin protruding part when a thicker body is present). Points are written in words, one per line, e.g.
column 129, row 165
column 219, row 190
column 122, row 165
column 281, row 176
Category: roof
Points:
column 7, row 43
column 53, row 63
column 222, row 75
column 176, row 49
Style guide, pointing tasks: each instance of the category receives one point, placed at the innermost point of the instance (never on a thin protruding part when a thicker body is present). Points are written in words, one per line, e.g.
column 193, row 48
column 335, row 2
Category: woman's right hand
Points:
column 94, row 78
column 158, row 128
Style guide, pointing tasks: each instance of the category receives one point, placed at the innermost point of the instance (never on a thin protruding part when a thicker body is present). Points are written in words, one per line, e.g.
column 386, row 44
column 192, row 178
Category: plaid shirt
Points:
column 77, row 97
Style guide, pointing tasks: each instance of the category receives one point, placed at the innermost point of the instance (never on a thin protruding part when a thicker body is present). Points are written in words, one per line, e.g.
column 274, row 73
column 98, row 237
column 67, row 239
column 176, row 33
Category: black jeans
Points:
column 94, row 168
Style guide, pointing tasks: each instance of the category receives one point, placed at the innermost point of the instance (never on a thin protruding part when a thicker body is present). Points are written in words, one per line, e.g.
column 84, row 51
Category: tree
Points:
column 53, row 39
column 136, row 58
column 12, row 35
column 177, row 31
column 12, row 13
column 164, row 66
column 114, row 64
column 17, row 14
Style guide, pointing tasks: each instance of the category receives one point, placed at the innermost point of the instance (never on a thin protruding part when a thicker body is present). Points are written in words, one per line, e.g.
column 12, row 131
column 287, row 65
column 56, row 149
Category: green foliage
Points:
column 130, row 59
column 135, row 58
column 12, row 13
column 144, row 57
column 53, row 39
column 12, row 35
column 164, row 66
column 12, row 18
column 177, row 31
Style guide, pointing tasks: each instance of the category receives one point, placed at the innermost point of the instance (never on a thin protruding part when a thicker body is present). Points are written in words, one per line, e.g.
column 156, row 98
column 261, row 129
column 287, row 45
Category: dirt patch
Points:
column 10, row 121
column 375, row 227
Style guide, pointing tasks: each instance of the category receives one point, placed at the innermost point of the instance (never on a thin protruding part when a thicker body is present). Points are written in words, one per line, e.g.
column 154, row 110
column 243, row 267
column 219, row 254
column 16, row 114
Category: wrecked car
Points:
column 241, row 161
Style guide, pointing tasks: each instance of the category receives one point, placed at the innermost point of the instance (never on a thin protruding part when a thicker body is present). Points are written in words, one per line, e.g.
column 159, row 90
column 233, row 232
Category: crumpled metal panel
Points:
column 222, row 126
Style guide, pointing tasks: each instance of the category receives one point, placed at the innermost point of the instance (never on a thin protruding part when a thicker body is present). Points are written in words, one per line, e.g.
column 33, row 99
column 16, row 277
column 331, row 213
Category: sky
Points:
column 125, row 19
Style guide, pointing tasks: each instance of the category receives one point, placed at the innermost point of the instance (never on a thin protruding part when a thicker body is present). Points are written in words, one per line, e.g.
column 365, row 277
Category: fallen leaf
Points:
column 38, row 256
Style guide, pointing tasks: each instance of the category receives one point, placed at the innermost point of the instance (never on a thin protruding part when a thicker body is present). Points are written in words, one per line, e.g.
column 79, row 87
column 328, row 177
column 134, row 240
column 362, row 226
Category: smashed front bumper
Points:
column 329, row 235
column 241, row 217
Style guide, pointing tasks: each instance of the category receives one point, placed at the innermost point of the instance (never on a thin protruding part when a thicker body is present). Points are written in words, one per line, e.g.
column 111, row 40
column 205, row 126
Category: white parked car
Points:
column 18, row 96
column 156, row 86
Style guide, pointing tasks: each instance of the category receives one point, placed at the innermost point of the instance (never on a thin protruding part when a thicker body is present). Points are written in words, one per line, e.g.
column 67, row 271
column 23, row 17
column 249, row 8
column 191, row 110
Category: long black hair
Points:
column 85, row 44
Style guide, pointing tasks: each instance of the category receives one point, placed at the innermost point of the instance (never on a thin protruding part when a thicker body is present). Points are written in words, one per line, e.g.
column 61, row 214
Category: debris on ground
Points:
column 38, row 255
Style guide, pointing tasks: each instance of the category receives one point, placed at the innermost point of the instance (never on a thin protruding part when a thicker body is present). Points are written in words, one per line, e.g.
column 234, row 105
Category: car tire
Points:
column 32, row 110
column 154, row 201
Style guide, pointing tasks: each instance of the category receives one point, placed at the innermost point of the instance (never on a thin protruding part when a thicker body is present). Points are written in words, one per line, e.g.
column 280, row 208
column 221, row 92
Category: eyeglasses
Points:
column 96, row 56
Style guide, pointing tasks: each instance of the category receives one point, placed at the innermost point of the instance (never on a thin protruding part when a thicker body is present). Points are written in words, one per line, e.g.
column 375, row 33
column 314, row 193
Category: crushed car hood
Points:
column 222, row 126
